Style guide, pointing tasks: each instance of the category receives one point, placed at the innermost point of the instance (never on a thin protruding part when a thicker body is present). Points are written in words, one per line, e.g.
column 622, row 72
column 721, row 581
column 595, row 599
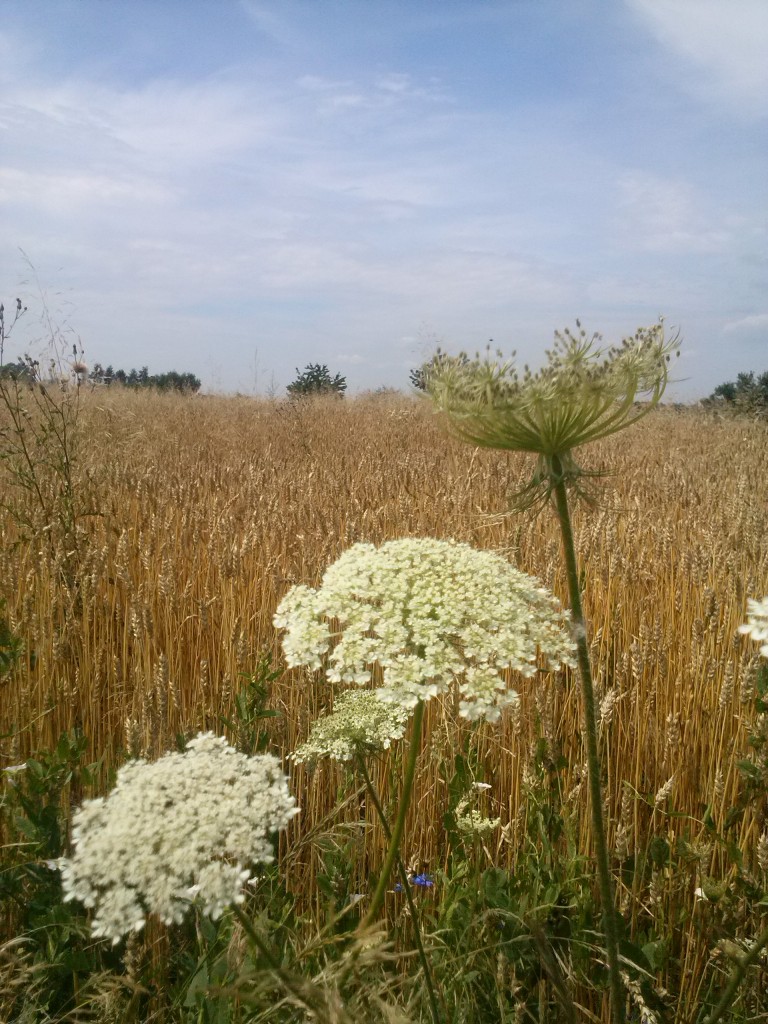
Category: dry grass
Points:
column 211, row 508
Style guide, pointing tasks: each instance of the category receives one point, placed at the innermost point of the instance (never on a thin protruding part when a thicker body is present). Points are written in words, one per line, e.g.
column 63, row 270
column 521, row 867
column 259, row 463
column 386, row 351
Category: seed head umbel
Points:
column 583, row 393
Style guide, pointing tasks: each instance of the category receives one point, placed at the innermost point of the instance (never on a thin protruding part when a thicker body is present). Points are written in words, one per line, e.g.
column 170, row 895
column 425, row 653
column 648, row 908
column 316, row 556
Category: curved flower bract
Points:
column 426, row 613
column 181, row 829
column 582, row 394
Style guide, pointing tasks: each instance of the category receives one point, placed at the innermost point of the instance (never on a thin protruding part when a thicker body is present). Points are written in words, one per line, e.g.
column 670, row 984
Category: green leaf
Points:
column 632, row 953
column 198, row 985
column 749, row 770
column 656, row 954
column 659, row 851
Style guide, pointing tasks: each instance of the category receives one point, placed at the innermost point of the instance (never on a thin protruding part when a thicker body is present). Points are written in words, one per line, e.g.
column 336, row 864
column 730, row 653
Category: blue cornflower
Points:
column 423, row 880
column 398, row 887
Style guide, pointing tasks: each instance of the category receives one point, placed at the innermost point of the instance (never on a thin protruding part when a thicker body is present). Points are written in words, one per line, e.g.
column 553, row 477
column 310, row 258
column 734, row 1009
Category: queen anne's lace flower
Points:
column 359, row 723
column 180, row 829
column 426, row 612
column 471, row 822
column 583, row 393
column 756, row 626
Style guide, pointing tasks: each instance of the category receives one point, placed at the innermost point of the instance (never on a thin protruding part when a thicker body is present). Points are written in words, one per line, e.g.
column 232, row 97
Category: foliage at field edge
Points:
column 747, row 394
column 169, row 381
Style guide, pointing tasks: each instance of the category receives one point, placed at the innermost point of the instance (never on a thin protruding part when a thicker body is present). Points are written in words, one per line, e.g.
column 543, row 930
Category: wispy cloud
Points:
column 723, row 47
column 661, row 214
column 748, row 324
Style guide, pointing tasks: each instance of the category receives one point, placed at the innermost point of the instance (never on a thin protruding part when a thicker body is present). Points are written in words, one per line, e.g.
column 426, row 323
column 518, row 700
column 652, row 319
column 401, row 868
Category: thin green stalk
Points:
column 737, row 976
column 289, row 983
column 618, row 997
column 405, row 881
column 397, row 830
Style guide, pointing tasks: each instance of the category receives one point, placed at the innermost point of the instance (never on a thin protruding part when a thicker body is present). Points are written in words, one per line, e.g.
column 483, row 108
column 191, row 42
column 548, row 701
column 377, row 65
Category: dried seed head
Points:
column 762, row 852
column 133, row 737
column 664, row 792
column 608, row 706
column 726, row 690
column 582, row 394
column 719, row 785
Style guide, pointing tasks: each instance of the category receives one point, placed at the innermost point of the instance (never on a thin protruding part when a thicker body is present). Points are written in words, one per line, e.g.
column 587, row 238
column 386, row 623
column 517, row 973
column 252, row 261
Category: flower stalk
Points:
column 737, row 976
column 404, row 880
column 560, row 496
column 377, row 901
column 583, row 393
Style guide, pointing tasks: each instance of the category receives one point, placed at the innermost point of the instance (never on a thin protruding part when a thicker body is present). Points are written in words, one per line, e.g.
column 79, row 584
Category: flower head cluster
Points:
column 179, row 829
column 359, row 723
column 470, row 822
column 583, row 393
column 756, row 626
column 422, row 881
column 426, row 613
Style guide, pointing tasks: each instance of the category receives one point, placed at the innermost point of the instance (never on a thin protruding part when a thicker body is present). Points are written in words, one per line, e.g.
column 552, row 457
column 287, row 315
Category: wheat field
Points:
column 202, row 512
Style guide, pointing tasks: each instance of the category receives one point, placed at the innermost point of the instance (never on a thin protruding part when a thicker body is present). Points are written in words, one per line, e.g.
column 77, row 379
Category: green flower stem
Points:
column 618, row 997
column 397, row 831
column 737, row 976
column 436, row 1017
column 288, row 983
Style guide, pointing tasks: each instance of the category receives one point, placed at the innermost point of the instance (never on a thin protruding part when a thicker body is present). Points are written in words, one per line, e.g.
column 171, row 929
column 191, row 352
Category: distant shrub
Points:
column 316, row 379
column 18, row 371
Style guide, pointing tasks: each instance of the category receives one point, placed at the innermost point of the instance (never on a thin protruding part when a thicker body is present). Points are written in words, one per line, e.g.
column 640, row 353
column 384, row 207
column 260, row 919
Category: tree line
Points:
column 171, row 381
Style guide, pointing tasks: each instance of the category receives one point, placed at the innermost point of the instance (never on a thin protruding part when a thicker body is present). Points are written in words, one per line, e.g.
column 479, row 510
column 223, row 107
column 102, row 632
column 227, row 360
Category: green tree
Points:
column 748, row 393
column 316, row 379
column 170, row 381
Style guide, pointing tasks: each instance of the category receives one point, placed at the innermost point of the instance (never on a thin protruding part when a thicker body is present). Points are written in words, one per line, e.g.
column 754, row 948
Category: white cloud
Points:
column 661, row 214
column 66, row 192
column 748, row 324
column 722, row 43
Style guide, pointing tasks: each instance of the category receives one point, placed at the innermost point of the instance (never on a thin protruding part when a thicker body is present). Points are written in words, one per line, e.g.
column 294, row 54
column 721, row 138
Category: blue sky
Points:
column 239, row 187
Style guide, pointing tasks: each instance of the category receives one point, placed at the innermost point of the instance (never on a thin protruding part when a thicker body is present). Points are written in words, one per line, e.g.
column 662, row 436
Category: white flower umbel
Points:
column 181, row 829
column 427, row 613
column 756, row 626
column 359, row 724
column 470, row 822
